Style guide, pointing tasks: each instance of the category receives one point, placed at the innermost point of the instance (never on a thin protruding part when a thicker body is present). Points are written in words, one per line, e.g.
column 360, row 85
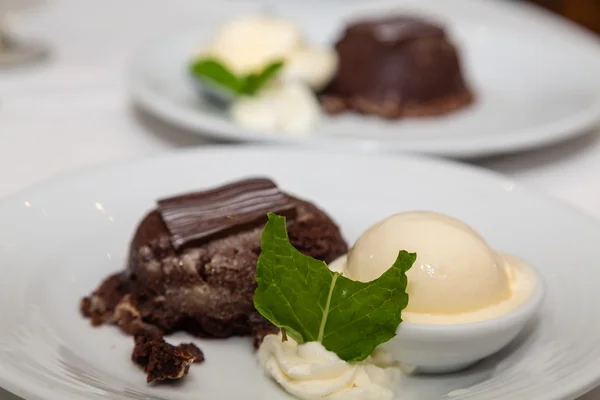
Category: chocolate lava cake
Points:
column 192, row 262
column 395, row 67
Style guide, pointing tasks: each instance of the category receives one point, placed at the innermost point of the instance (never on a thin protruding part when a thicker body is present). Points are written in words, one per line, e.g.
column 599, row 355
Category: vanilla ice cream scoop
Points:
column 248, row 43
column 455, row 272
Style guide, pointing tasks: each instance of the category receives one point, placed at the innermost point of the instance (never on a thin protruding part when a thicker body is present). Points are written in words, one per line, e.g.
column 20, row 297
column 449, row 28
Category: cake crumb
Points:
column 162, row 361
column 100, row 305
column 192, row 350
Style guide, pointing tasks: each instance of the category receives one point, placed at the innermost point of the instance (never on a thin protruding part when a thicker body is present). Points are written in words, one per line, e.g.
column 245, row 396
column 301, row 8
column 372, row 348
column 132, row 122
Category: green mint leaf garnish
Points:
column 302, row 296
column 217, row 73
column 255, row 81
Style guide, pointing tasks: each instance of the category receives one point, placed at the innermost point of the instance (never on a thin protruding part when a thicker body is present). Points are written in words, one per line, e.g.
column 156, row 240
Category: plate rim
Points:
column 17, row 383
column 455, row 164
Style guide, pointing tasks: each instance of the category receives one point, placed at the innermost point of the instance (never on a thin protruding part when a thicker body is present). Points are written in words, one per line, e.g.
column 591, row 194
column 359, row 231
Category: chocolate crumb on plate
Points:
column 162, row 361
column 191, row 349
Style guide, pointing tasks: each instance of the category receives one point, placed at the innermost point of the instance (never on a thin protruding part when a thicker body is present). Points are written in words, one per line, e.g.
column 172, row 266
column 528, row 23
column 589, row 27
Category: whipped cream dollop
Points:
column 288, row 107
column 310, row 371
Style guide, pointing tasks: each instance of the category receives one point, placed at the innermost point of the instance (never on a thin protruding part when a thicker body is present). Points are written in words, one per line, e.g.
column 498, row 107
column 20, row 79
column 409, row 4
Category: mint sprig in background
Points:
column 216, row 73
column 308, row 301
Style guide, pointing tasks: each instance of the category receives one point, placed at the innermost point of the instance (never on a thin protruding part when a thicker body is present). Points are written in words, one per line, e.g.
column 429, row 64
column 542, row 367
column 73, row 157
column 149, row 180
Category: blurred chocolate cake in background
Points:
column 395, row 67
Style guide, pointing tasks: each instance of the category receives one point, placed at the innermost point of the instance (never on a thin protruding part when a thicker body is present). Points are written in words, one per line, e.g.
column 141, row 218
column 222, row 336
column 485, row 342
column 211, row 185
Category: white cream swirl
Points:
column 309, row 371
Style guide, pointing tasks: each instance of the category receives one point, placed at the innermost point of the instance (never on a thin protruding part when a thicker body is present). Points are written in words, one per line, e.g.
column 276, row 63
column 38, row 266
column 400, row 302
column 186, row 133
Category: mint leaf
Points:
column 213, row 71
column 311, row 303
column 255, row 81
column 216, row 72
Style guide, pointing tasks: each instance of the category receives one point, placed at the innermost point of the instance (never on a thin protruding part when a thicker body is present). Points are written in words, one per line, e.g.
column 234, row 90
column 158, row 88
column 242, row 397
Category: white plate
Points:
column 59, row 239
column 537, row 80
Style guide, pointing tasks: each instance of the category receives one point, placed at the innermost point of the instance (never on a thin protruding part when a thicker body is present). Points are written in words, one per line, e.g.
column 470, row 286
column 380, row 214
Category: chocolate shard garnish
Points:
column 241, row 205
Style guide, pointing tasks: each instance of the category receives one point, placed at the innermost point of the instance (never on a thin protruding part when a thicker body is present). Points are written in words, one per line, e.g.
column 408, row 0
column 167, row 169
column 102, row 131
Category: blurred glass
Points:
column 15, row 51
column 583, row 12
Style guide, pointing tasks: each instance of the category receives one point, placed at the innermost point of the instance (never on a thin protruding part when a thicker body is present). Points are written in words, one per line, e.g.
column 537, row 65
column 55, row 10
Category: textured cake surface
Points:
column 205, row 288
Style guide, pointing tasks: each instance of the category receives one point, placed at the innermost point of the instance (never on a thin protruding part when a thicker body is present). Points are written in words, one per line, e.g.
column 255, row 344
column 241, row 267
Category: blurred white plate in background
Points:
column 537, row 80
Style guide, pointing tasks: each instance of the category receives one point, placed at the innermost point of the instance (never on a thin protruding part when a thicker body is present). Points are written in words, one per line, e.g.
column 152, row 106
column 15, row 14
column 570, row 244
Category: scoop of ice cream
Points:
column 248, row 43
column 456, row 271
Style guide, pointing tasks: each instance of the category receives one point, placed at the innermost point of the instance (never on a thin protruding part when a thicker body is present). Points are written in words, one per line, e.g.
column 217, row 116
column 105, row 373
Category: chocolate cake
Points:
column 192, row 262
column 394, row 67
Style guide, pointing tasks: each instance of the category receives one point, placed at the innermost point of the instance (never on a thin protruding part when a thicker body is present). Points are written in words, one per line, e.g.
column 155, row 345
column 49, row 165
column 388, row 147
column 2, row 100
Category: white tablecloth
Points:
column 73, row 111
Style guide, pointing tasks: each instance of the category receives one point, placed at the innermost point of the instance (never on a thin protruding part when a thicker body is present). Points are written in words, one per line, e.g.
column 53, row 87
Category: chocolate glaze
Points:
column 394, row 67
column 238, row 206
column 396, row 30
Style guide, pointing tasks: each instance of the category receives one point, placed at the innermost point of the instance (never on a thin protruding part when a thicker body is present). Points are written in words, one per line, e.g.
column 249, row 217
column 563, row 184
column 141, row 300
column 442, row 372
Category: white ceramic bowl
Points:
column 433, row 348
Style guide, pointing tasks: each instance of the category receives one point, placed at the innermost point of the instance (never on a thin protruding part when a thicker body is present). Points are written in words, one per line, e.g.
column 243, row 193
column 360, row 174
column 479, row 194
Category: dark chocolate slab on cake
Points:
column 394, row 67
column 192, row 261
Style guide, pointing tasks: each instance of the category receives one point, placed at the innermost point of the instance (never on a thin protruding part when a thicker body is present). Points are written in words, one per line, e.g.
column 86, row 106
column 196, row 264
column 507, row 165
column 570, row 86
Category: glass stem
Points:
column 6, row 40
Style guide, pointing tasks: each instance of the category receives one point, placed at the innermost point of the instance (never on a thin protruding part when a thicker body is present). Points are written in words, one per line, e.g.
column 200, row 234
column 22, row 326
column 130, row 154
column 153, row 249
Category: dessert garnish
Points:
column 214, row 72
column 200, row 217
column 330, row 325
column 311, row 303
column 289, row 107
column 309, row 371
